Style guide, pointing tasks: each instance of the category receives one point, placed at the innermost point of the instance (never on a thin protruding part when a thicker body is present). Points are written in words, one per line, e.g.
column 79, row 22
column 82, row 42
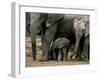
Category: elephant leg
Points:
column 80, row 49
column 51, row 53
column 34, row 50
column 86, row 49
column 76, row 48
column 33, row 38
column 85, row 54
column 65, row 56
column 88, row 52
column 79, row 53
column 59, row 55
column 55, row 55
column 48, row 38
column 78, row 36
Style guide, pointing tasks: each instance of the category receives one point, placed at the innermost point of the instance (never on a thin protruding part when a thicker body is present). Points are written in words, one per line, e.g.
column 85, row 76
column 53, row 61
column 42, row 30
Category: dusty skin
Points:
column 29, row 62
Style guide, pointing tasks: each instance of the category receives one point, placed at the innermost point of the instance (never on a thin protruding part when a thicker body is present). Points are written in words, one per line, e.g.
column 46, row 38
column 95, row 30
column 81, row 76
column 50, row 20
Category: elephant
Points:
column 81, row 27
column 62, row 45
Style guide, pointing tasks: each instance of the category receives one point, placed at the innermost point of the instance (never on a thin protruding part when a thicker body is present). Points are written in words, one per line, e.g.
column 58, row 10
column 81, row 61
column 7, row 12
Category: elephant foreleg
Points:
column 33, row 38
column 48, row 38
column 76, row 48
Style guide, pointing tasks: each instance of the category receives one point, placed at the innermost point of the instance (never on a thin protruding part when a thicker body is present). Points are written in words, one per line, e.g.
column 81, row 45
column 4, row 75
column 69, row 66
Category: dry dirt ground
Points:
column 30, row 63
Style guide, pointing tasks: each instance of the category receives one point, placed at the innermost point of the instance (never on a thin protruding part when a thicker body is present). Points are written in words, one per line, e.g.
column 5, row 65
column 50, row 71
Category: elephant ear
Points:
column 52, row 19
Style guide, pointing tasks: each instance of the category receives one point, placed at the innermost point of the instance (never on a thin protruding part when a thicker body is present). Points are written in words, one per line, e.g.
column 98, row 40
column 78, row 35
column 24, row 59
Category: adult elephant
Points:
column 81, row 27
column 37, row 23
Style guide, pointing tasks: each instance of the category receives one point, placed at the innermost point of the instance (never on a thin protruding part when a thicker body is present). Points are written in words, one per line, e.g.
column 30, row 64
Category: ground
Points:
column 30, row 63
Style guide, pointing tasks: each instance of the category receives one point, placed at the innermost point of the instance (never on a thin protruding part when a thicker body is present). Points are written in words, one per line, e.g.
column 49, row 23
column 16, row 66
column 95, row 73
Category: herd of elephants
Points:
column 59, row 33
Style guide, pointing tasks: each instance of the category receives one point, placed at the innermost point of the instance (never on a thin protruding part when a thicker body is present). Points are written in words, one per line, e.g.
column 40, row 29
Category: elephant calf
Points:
column 60, row 48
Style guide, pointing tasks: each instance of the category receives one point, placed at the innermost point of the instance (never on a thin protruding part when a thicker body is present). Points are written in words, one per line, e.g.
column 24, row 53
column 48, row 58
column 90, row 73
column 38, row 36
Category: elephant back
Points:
column 61, row 42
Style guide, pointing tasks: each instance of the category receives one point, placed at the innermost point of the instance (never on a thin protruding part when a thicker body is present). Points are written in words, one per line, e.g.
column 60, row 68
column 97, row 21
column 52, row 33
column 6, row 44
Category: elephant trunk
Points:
column 48, row 38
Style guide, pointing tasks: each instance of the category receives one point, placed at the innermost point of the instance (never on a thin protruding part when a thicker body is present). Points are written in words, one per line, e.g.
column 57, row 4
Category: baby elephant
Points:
column 60, row 48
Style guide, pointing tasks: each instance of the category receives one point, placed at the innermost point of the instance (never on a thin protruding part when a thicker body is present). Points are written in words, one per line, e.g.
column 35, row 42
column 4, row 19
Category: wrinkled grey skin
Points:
column 62, row 45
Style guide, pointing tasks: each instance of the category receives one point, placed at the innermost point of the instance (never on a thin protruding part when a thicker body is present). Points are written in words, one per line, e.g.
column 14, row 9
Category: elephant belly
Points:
column 65, row 29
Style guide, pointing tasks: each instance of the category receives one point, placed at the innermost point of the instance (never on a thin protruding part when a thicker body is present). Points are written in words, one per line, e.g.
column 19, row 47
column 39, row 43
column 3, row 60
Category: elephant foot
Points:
column 78, row 57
